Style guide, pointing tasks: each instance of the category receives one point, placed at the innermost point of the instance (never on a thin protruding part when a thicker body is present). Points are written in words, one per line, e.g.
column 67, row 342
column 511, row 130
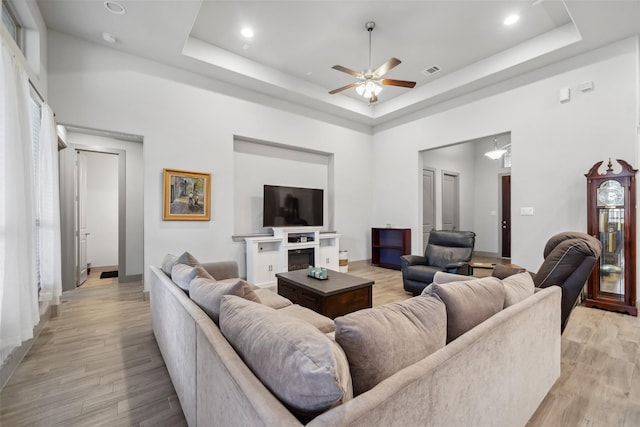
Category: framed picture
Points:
column 187, row 196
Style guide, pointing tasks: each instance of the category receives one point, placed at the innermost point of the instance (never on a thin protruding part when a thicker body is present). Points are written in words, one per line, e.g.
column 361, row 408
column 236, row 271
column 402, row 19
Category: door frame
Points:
column 435, row 214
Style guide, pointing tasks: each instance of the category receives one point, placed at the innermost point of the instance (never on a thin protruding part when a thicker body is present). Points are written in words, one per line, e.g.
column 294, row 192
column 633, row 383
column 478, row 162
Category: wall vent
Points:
column 431, row 70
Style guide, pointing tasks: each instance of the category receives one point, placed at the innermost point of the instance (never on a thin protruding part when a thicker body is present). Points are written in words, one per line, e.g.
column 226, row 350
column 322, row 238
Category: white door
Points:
column 428, row 204
column 450, row 201
column 81, row 219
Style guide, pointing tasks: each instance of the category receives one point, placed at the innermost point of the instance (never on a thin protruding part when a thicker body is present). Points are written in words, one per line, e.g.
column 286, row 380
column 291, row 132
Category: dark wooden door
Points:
column 506, row 216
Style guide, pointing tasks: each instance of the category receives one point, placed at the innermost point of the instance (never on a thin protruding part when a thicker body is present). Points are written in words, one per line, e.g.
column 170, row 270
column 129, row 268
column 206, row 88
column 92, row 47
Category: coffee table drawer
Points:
column 347, row 302
column 300, row 296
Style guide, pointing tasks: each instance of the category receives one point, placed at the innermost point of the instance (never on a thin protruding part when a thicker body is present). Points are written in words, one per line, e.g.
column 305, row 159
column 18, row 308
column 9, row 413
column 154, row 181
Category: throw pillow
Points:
column 187, row 258
column 183, row 274
column 469, row 303
column 168, row 262
column 208, row 294
column 382, row 340
column 518, row 287
column 301, row 366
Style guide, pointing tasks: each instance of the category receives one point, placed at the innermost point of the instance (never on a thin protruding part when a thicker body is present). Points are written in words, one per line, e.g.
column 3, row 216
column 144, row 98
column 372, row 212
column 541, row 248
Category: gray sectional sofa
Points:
column 495, row 374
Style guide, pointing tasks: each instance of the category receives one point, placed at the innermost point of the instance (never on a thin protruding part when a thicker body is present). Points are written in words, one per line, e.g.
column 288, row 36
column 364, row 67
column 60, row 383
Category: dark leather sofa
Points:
column 448, row 251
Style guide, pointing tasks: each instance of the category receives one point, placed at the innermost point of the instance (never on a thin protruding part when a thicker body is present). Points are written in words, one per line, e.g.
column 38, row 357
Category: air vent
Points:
column 431, row 70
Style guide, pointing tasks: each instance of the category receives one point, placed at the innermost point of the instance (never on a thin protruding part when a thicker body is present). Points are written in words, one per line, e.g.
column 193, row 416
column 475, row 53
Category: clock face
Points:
column 610, row 193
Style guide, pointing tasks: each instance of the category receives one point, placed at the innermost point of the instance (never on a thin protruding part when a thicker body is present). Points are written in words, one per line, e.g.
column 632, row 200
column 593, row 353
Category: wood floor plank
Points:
column 98, row 364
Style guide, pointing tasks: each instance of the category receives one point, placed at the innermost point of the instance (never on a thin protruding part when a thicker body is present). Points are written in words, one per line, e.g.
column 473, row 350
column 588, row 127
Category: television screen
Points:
column 292, row 207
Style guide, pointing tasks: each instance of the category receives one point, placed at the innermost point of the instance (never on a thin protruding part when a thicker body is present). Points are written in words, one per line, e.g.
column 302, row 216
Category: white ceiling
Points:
column 297, row 42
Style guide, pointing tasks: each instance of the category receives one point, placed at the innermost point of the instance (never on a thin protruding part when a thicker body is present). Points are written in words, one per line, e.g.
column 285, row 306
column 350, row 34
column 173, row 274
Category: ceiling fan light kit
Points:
column 496, row 153
column 369, row 84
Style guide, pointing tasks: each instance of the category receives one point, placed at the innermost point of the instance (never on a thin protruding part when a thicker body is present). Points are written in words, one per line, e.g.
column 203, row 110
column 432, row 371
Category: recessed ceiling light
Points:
column 114, row 7
column 511, row 19
column 109, row 38
column 247, row 32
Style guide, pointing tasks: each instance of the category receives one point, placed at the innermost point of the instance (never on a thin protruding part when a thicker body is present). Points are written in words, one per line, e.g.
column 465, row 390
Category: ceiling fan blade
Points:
column 401, row 83
column 346, row 70
column 384, row 68
column 349, row 86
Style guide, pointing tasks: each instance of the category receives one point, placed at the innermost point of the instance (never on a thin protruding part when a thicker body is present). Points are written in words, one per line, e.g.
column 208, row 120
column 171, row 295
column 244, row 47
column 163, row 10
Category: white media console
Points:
column 268, row 255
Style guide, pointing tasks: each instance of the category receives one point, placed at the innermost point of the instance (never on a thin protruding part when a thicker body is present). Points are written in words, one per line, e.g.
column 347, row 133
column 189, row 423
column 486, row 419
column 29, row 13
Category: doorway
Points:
column 97, row 211
column 450, row 201
column 126, row 151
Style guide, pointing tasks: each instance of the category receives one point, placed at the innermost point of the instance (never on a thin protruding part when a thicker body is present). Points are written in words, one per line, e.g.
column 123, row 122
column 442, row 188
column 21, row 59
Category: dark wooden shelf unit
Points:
column 388, row 245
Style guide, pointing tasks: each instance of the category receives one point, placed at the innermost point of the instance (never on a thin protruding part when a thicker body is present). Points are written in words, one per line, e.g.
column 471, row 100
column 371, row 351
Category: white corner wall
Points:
column 553, row 144
column 188, row 124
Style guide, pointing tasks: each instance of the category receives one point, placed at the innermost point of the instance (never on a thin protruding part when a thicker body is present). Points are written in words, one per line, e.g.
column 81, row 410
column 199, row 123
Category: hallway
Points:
column 96, row 364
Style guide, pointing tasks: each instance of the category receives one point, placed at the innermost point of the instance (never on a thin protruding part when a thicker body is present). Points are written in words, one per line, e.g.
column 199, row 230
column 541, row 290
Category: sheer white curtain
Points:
column 18, row 291
column 50, row 246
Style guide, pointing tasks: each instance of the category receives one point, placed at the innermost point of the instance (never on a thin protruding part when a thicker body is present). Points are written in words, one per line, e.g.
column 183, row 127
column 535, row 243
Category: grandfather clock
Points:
column 611, row 218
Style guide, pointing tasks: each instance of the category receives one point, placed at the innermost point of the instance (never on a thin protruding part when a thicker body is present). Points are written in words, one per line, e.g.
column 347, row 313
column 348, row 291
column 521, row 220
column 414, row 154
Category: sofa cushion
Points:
column 183, row 274
column 469, row 303
column 382, row 340
column 272, row 299
column 168, row 262
column 517, row 288
column 208, row 293
column 301, row 366
column 323, row 323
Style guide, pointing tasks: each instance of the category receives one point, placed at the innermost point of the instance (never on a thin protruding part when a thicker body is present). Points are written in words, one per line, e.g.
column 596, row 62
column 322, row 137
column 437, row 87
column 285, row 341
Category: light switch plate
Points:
column 526, row 211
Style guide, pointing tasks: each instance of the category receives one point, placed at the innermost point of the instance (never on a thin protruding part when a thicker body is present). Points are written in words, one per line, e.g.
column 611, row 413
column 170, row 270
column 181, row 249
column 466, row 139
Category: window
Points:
column 11, row 23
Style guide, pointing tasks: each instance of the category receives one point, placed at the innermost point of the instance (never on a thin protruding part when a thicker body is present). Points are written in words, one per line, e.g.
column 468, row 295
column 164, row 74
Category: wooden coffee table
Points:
column 338, row 295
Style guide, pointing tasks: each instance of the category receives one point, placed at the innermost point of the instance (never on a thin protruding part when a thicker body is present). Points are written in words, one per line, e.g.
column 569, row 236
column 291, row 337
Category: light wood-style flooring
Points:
column 98, row 364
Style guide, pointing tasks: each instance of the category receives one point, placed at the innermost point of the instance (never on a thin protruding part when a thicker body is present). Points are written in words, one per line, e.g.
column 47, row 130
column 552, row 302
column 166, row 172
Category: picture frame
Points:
column 187, row 195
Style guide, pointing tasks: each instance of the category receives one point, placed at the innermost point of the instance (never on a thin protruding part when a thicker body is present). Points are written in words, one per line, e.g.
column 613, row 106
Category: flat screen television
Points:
column 292, row 206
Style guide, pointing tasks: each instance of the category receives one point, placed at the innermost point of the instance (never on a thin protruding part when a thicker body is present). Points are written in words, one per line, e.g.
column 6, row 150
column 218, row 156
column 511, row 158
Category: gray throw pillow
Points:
column 168, row 262
column 382, row 340
column 301, row 366
column 469, row 303
column 517, row 287
column 187, row 258
column 208, row 294
column 183, row 274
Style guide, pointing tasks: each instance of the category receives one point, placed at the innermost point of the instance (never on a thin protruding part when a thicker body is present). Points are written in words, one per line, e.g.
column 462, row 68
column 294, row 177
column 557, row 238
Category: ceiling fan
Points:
column 368, row 84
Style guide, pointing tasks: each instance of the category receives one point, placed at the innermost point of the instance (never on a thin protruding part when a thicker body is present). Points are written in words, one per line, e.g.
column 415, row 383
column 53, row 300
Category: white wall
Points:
column 102, row 208
column 553, row 144
column 179, row 113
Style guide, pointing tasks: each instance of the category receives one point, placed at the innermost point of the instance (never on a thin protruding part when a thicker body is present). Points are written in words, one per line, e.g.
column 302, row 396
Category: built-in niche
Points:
column 480, row 187
column 257, row 163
